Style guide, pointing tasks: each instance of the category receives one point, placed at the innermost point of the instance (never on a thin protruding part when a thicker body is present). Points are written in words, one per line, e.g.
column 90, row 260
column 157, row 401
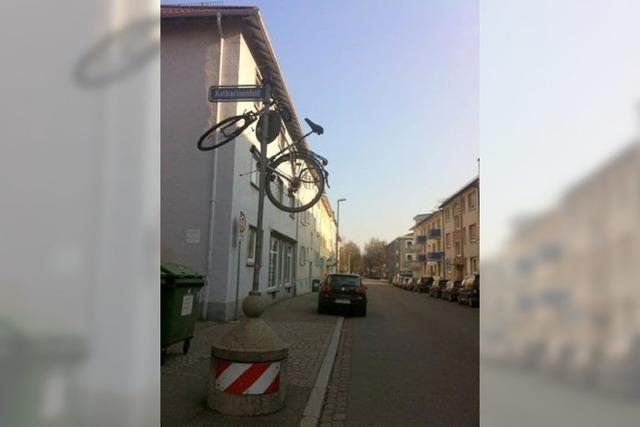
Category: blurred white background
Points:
column 79, row 206
column 560, row 317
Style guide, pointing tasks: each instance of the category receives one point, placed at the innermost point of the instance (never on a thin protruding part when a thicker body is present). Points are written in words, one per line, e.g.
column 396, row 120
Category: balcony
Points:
column 435, row 256
column 433, row 233
column 420, row 240
column 458, row 260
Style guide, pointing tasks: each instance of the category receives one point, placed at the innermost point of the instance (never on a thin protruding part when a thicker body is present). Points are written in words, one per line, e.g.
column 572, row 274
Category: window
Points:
column 288, row 262
column 281, row 257
column 473, row 265
column 251, row 246
column 338, row 281
column 409, row 243
column 464, row 235
column 303, row 255
column 273, row 262
column 448, row 240
column 280, row 262
column 447, row 214
column 409, row 257
column 458, row 249
column 472, row 200
column 255, row 172
column 458, row 221
column 473, row 233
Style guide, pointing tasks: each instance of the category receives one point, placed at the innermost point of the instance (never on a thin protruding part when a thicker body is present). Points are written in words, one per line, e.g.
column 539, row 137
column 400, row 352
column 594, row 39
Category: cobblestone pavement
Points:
column 184, row 377
column 334, row 410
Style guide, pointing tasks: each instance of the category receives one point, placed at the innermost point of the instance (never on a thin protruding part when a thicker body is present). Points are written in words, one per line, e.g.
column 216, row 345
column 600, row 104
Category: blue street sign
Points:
column 236, row 93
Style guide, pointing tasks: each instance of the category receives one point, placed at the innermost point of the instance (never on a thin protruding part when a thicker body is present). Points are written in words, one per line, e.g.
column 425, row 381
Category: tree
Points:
column 350, row 251
column 374, row 256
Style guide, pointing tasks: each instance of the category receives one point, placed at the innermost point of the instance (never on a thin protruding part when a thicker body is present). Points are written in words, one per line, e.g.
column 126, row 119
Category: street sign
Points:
column 236, row 93
column 242, row 223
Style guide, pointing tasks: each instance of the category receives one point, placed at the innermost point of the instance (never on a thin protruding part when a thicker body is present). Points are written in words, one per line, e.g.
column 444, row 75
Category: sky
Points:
column 395, row 86
column 559, row 91
column 411, row 93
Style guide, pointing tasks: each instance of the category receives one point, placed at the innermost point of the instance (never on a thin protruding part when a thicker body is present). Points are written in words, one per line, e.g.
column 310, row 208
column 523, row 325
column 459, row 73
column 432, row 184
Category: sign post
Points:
column 255, row 291
column 242, row 226
column 253, row 340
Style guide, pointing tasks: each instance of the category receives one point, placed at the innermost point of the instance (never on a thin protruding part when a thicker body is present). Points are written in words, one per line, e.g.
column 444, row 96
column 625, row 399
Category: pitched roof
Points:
column 475, row 182
column 259, row 44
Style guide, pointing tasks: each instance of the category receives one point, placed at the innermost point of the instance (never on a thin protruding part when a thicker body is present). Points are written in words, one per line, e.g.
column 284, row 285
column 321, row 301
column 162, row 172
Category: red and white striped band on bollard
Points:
column 247, row 378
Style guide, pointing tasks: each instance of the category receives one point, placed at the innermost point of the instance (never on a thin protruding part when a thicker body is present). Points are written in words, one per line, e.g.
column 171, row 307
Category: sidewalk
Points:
column 184, row 377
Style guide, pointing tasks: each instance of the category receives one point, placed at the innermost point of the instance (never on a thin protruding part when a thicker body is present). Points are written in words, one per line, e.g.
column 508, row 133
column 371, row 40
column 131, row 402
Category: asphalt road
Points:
column 414, row 361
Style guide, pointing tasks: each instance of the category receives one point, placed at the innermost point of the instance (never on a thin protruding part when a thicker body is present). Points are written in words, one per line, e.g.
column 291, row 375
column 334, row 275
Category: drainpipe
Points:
column 212, row 200
column 295, row 257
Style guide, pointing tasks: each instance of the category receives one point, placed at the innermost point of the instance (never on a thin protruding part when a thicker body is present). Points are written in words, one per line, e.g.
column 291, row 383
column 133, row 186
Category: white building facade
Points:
column 204, row 193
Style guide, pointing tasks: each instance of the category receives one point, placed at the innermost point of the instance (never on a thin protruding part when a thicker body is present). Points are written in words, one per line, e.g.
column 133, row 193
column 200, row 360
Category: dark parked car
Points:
column 469, row 292
column 413, row 286
column 425, row 283
column 450, row 292
column 343, row 290
column 436, row 288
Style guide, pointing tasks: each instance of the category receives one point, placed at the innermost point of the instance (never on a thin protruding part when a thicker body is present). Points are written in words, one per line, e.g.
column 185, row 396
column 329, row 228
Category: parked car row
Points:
column 466, row 291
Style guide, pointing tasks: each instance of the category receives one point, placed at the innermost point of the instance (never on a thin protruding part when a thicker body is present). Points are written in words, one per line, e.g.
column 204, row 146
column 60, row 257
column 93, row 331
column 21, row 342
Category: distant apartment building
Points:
column 575, row 266
column 427, row 245
column 461, row 232
column 203, row 193
column 400, row 256
column 419, row 248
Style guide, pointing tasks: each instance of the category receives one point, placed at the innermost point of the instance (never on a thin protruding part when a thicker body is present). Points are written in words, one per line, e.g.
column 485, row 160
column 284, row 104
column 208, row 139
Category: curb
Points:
column 312, row 411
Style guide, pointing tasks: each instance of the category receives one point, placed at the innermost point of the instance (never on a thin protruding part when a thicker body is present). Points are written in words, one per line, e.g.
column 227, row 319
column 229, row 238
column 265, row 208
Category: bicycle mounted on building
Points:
column 295, row 166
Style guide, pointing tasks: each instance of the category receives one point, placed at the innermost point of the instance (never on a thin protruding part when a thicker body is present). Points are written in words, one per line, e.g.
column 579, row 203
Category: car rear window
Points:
column 343, row 281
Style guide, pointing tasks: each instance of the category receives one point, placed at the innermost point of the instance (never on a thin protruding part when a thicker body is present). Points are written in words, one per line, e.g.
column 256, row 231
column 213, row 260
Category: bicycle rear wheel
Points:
column 224, row 131
column 295, row 182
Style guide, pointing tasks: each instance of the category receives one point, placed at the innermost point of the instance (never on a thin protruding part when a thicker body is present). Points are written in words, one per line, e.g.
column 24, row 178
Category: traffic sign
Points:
column 242, row 223
column 236, row 93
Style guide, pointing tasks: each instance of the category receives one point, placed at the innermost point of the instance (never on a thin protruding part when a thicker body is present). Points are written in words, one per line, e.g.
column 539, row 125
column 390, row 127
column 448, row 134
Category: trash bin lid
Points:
column 177, row 271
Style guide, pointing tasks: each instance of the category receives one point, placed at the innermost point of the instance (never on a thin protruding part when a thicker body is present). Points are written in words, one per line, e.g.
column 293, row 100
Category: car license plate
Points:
column 342, row 301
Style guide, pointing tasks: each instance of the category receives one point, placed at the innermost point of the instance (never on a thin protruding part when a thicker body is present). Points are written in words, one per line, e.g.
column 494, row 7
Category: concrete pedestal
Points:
column 248, row 367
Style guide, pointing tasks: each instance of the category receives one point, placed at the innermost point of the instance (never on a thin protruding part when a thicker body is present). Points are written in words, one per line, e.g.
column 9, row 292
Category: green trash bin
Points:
column 179, row 288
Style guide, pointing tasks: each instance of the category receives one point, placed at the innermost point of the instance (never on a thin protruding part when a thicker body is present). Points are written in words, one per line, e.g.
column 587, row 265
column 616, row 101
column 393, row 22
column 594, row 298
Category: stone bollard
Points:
column 248, row 367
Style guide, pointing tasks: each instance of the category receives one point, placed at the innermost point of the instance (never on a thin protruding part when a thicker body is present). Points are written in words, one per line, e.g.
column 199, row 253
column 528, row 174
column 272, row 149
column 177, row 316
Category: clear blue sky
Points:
column 395, row 85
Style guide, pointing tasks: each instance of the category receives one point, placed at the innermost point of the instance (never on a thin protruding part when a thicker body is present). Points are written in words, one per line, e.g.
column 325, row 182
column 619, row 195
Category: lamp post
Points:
column 338, row 235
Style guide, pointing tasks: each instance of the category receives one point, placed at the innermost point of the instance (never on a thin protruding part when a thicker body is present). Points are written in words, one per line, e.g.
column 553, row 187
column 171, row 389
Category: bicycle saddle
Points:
column 314, row 127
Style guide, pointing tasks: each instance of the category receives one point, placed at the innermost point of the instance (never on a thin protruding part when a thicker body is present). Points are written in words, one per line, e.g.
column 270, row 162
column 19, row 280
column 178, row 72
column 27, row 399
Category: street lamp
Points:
column 338, row 236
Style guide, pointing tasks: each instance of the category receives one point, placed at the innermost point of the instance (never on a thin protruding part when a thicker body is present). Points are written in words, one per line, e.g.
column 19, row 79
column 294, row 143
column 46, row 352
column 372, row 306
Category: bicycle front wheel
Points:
column 295, row 182
column 224, row 131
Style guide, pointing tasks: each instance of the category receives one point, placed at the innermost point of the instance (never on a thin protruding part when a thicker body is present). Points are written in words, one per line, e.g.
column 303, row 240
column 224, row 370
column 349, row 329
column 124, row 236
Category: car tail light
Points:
column 325, row 288
column 360, row 290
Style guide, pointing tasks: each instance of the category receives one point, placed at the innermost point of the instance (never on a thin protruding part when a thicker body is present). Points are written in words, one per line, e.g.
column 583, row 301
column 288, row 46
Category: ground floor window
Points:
column 280, row 262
